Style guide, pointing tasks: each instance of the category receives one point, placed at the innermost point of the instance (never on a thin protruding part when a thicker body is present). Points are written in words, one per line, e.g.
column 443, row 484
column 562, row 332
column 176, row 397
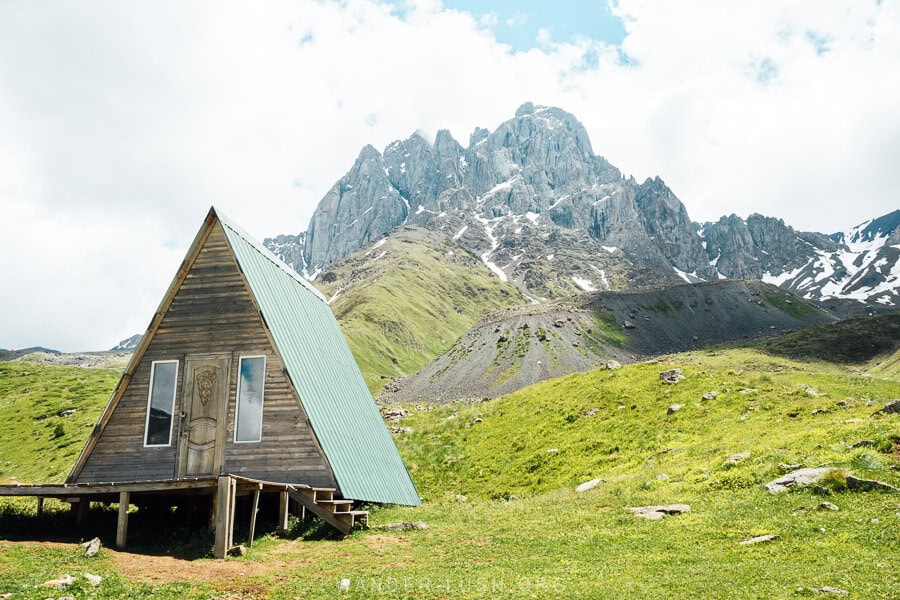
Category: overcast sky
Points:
column 122, row 122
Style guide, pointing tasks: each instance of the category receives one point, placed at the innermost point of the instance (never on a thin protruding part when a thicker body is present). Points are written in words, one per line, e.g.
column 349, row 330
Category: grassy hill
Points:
column 47, row 413
column 504, row 520
column 404, row 302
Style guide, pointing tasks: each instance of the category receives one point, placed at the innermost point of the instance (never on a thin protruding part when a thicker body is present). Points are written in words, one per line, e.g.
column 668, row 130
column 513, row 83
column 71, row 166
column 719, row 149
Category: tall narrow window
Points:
column 161, row 402
column 248, row 427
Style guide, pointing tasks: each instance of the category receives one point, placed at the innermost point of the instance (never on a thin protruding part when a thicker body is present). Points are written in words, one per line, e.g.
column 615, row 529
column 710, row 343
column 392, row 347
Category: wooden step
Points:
column 354, row 517
column 336, row 506
column 317, row 494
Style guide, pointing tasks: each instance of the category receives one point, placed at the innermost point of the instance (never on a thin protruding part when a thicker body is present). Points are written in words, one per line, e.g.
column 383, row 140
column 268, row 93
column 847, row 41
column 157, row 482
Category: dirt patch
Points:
column 168, row 569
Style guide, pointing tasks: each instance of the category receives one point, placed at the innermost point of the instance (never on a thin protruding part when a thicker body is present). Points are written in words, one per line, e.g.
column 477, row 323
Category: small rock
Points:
column 628, row 325
column 662, row 477
column 67, row 413
column 92, row 547
column 478, row 420
column 589, row 412
column 820, row 411
column 671, row 376
column 855, row 483
column 748, row 391
column 400, row 430
column 5, row 596
column 589, row 485
column 655, row 513
column 93, row 580
column 736, row 458
column 890, row 407
column 559, row 323
column 710, row 395
column 863, row 444
column 552, row 450
column 66, row 598
column 800, row 477
column 828, row 506
column 344, row 585
column 612, row 364
column 759, row 539
column 393, row 413
column 829, row 590
column 402, row 526
column 809, row 391
column 64, row 581
column 239, row 550
column 461, row 498
column 875, row 521
column 673, row 408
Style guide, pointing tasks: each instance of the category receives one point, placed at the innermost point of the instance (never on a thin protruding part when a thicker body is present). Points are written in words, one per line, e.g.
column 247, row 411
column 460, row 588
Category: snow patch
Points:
column 420, row 210
column 460, row 232
column 584, row 284
column 533, row 217
column 610, row 249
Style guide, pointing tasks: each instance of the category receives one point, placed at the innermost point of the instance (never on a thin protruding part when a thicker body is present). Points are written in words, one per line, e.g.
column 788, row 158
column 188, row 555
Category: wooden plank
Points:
column 253, row 517
column 89, row 489
column 223, row 500
column 284, row 505
column 122, row 524
column 81, row 512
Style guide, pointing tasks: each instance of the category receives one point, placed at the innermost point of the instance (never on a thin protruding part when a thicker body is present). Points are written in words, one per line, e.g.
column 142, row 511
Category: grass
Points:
column 37, row 441
column 504, row 520
column 411, row 305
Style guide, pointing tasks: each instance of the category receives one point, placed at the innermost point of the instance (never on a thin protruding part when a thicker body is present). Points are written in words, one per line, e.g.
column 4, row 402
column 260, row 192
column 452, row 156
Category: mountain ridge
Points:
column 545, row 213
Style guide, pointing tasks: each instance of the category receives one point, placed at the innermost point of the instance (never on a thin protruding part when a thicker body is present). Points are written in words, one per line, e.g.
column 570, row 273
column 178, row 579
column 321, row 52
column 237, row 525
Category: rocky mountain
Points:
column 546, row 214
column 128, row 344
column 515, row 347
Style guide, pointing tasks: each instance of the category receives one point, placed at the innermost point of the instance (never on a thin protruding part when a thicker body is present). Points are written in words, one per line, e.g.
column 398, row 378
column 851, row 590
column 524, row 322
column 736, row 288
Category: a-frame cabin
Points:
column 243, row 378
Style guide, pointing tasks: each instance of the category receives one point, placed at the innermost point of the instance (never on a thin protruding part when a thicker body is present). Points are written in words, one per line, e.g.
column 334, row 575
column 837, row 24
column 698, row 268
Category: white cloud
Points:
column 119, row 126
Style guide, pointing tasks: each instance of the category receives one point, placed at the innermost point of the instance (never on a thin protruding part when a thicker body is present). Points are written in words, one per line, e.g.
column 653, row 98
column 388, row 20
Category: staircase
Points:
column 321, row 502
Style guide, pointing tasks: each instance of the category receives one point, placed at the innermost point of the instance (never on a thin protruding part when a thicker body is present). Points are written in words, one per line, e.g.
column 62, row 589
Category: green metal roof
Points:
column 340, row 408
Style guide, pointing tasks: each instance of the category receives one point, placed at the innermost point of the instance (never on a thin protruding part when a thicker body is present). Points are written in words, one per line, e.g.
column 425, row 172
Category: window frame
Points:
column 237, row 400
column 153, row 364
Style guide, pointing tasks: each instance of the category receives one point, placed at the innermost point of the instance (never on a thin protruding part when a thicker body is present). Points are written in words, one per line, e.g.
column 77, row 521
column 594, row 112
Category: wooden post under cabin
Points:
column 253, row 516
column 224, row 516
column 81, row 510
column 122, row 525
column 284, row 503
column 40, row 506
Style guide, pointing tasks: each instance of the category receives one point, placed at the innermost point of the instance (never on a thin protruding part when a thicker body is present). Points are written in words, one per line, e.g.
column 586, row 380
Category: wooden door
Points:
column 204, row 410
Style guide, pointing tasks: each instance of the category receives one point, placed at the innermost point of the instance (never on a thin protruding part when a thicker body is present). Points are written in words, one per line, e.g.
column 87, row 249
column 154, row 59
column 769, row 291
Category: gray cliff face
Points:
column 760, row 245
column 541, row 210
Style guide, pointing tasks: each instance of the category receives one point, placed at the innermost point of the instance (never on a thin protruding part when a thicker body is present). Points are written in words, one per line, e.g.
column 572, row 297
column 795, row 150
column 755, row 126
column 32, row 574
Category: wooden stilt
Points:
column 223, row 506
column 284, row 503
column 81, row 512
column 232, row 509
column 122, row 525
column 40, row 506
column 253, row 511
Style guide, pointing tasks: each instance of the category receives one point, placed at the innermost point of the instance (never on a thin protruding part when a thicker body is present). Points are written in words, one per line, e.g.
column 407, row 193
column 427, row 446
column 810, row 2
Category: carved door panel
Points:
column 201, row 445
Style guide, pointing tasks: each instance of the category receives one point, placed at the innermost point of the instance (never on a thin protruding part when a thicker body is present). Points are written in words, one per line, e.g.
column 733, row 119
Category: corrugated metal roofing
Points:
column 341, row 410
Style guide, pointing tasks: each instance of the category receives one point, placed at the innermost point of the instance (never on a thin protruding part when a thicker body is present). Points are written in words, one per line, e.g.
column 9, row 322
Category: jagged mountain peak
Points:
column 541, row 210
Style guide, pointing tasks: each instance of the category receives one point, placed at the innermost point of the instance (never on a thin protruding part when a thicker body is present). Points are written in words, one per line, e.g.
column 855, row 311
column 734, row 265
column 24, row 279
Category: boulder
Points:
column 759, row 539
column 672, row 376
column 402, row 526
column 800, row 477
column 892, row 407
column 239, row 550
column 828, row 506
column 655, row 513
column 64, row 581
column 674, row 408
column 710, row 395
column 92, row 547
column 867, row 485
column 736, row 458
column 589, row 485
column 612, row 364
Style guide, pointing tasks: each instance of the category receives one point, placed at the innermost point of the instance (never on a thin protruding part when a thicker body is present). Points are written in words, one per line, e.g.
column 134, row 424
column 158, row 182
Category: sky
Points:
column 121, row 123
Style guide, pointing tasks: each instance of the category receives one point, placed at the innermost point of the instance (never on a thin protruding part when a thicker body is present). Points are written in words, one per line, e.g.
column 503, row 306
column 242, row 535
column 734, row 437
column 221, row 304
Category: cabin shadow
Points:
column 162, row 528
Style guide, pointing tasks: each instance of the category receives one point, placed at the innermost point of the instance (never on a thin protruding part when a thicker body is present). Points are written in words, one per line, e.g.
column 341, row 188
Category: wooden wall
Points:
column 212, row 313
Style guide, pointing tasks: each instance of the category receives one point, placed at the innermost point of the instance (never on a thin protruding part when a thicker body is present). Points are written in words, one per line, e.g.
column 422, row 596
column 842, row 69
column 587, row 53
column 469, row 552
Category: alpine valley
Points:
column 417, row 244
